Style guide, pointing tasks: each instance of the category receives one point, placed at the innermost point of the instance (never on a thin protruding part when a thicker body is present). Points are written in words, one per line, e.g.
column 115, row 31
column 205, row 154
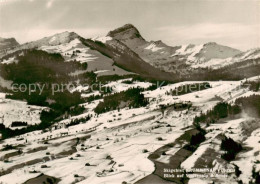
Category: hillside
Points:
column 134, row 145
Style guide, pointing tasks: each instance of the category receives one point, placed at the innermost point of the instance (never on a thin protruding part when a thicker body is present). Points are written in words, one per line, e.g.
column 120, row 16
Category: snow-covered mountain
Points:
column 196, row 54
column 75, row 50
column 216, row 63
column 104, row 55
column 126, row 58
column 167, row 57
column 69, row 45
column 6, row 43
column 129, row 35
column 57, row 39
column 124, row 50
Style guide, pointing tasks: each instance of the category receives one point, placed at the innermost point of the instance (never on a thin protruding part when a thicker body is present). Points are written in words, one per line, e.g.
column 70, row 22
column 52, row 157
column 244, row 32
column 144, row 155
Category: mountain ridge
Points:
column 125, row 48
column 170, row 58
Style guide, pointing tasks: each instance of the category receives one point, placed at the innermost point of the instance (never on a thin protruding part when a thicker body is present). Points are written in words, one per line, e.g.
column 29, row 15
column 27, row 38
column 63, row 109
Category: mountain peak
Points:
column 210, row 43
column 220, row 47
column 128, row 31
column 128, row 26
column 160, row 43
column 56, row 39
column 63, row 37
column 66, row 33
column 6, row 43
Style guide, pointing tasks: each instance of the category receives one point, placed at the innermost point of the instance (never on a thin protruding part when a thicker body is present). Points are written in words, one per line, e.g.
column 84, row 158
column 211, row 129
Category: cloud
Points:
column 49, row 3
column 232, row 34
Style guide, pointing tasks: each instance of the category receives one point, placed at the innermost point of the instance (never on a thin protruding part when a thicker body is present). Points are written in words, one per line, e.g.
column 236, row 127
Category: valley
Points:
column 118, row 145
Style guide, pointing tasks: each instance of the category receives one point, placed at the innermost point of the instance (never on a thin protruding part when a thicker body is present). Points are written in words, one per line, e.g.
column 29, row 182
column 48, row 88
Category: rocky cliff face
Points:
column 7, row 44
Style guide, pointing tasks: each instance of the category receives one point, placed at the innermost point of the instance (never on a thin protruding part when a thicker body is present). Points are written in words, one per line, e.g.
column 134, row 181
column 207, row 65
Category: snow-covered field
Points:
column 114, row 146
column 13, row 110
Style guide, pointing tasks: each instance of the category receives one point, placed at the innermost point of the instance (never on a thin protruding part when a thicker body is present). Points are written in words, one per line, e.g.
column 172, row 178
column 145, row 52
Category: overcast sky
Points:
column 233, row 23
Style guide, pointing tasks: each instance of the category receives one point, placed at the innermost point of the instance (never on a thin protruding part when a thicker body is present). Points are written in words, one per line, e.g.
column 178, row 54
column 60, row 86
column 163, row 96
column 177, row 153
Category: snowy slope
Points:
column 70, row 47
column 13, row 110
column 252, row 54
column 76, row 51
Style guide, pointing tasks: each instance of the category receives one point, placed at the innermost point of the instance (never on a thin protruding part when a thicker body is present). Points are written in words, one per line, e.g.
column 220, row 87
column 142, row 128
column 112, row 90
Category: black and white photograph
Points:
column 129, row 91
